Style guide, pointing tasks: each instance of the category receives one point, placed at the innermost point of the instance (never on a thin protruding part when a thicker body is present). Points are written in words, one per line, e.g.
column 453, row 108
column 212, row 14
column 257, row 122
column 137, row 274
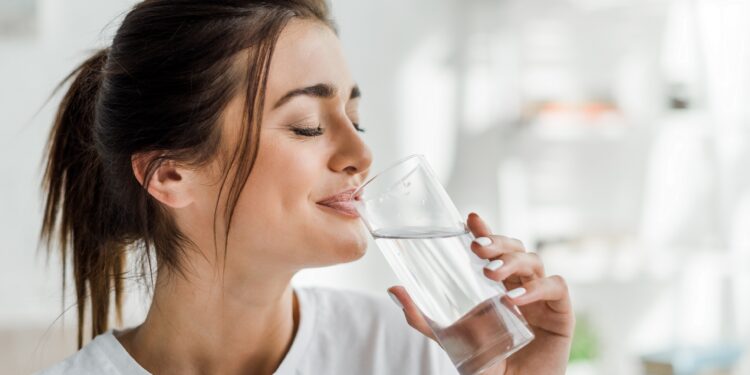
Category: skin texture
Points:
column 239, row 314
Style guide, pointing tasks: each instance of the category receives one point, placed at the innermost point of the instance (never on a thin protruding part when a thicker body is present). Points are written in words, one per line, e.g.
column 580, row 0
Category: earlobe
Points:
column 167, row 184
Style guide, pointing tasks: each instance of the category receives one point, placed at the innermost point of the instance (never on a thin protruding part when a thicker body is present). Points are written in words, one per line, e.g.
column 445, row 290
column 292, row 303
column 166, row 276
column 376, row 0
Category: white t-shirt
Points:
column 340, row 332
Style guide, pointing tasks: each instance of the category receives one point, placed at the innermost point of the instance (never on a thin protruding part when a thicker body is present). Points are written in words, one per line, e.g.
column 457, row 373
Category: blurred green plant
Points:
column 585, row 347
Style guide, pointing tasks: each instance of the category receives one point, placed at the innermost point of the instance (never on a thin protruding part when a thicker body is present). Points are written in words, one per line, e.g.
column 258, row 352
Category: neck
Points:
column 214, row 325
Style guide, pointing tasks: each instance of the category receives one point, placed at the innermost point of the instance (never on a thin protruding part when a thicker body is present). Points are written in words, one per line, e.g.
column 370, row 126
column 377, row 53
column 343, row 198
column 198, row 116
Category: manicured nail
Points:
column 395, row 300
column 515, row 293
column 483, row 241
column 494, row 265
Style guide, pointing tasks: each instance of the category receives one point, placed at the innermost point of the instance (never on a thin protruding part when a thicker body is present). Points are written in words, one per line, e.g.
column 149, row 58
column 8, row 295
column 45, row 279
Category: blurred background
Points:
column 611, row 136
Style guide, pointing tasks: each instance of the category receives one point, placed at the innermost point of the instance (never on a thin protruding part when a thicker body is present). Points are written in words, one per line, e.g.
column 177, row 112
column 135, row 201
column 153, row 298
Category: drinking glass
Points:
column 426, row 242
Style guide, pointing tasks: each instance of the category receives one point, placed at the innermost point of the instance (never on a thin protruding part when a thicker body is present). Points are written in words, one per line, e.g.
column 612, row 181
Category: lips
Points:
column 342, row 203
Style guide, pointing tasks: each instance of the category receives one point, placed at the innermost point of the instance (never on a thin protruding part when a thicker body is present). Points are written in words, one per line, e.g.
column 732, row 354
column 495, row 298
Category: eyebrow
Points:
column 320, row 90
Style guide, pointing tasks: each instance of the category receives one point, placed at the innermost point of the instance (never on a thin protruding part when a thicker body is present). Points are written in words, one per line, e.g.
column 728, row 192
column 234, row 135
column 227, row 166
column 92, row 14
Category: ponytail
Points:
column 78, row 210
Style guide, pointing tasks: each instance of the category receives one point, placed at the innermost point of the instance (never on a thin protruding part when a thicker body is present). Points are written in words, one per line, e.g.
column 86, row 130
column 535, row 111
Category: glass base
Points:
column 489, row 357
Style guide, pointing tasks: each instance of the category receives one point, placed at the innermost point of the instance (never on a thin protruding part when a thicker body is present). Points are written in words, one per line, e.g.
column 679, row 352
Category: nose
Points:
column 351, row 155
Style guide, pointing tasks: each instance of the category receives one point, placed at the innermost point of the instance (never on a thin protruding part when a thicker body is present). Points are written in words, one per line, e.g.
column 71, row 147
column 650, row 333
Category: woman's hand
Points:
column 544, row 302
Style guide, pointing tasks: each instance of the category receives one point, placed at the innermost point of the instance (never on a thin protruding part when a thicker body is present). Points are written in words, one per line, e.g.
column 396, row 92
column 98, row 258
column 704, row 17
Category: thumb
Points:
column 413, row 315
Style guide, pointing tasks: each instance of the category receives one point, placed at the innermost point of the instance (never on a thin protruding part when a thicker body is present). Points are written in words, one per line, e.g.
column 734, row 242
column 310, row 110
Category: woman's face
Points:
column 278, row 220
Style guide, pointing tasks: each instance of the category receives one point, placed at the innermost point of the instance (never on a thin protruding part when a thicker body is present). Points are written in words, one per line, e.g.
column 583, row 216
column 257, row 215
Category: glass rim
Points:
column 390, row 167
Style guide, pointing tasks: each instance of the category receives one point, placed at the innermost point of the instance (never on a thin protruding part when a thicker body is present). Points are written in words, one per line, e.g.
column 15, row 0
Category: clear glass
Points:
column 426, row 242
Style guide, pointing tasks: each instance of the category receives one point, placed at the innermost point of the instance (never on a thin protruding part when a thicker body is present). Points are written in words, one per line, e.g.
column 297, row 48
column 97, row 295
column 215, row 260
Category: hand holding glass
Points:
column 427, row 244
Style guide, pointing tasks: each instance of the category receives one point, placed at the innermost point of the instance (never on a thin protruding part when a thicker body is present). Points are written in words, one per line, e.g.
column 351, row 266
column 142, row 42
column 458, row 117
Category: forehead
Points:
column 307, row 53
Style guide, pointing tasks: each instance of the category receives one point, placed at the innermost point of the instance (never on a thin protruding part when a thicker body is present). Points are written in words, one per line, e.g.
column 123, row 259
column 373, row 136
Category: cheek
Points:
column 278, row 191
column 279, row 218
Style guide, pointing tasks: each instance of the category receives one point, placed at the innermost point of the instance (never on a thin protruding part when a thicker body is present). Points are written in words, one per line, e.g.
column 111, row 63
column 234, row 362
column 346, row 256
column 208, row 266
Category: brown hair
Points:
column 160, row 88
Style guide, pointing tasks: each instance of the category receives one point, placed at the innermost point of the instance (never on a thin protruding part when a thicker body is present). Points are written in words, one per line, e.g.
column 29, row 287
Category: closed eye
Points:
column 306, row 131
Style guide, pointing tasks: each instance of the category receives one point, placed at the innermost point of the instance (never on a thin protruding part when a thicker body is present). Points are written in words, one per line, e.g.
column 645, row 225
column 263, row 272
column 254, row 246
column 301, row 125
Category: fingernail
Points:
column 483, row 241
column 395, row 300
column 515, row 293
column 494, row 265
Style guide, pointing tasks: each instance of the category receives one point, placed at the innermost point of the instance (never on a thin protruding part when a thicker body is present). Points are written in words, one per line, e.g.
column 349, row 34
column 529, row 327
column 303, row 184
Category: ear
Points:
column 169, row 184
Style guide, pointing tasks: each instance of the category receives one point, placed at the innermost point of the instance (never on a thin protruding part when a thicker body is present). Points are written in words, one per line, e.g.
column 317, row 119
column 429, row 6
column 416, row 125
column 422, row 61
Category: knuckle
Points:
column 500, row 240
column 536, row 260
column 510, row 243
column 509, row 258
column 497, row 238
column 503, row 273
column 516, row 242
column 560, row 281
column 485, row 253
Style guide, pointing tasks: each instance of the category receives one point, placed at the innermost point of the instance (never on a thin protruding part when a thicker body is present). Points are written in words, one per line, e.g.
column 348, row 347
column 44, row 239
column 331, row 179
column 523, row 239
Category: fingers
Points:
column 553, row 290
column 413, row 316
column 524, row 265
column 493, row 246
column 508, row 255
column 477, row 226
column 489, row 246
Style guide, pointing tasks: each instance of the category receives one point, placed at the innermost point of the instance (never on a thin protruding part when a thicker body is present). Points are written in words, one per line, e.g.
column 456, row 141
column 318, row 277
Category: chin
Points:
column 351, row 244
column 356, row 254
column 343, row 254
column 343, row 245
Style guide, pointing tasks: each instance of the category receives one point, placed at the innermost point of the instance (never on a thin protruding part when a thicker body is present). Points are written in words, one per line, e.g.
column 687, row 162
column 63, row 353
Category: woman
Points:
column 152, row 151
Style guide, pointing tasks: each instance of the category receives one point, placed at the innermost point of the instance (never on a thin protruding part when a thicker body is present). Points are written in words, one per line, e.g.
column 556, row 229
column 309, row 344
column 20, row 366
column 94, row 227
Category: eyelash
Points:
column 314, row 132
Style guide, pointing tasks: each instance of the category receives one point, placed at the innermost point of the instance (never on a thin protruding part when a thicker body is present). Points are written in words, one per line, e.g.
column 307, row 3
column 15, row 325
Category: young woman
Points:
column 209, row 138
